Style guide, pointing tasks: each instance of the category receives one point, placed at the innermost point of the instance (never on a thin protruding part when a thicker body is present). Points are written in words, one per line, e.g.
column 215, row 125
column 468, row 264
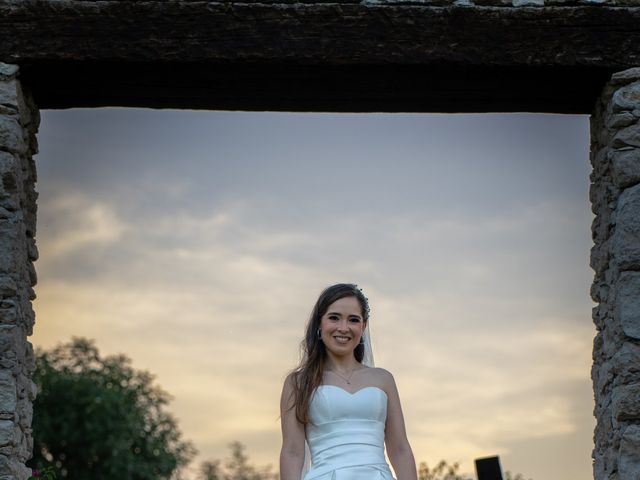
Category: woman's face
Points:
column 342, row 326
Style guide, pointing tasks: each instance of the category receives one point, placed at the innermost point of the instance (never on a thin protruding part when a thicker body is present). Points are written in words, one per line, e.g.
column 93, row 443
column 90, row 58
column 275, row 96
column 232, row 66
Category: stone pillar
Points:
column 615, row 258
column 19, row 120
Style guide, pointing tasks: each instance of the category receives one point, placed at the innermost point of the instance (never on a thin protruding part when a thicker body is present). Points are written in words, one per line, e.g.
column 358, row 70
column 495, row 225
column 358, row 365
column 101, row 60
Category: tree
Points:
column 442, row 471
column 513, row 476
column 98, row 418
column 237, row 467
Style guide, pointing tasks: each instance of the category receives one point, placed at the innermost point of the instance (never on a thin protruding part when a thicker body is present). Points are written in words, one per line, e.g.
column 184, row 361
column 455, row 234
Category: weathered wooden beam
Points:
column 317, row 56
column 318, row 33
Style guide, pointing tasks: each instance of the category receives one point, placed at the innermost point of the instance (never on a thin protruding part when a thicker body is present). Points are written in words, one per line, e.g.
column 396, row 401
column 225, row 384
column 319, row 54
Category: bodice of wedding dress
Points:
column 346, row 436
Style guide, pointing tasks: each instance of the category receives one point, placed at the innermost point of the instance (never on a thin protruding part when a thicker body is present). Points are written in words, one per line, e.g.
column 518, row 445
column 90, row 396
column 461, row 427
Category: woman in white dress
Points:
column 345, row 411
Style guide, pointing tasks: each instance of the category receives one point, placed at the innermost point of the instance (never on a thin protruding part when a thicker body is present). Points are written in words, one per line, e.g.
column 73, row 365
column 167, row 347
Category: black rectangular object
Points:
column 488, row 468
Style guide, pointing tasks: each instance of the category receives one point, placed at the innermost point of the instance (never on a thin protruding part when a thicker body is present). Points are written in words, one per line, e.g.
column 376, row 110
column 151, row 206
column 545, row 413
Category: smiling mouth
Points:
column 342, row 339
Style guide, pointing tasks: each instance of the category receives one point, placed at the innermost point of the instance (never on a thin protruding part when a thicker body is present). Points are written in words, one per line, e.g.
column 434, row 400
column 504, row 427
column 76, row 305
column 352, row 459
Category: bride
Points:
column 337, row 404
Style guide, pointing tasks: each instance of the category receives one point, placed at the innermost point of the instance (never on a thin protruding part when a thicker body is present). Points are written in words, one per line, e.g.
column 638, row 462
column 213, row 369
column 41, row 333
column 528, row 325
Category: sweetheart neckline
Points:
column 353, row 393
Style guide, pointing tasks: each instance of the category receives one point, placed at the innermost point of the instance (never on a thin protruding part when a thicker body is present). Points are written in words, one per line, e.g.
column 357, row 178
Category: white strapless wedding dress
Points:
column 346, row 436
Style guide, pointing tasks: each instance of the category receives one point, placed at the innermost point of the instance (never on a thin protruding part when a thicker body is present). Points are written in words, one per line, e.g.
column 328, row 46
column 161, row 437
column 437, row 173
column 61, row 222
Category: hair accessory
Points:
column 366, row 301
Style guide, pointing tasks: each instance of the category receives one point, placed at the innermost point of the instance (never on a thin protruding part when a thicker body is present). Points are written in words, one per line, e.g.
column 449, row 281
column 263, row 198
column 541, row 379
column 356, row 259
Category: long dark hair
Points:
column 308, row 375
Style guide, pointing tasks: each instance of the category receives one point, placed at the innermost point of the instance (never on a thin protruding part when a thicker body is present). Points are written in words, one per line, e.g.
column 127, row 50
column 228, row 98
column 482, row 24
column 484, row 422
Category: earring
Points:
column 319, row 333
column 362, row 340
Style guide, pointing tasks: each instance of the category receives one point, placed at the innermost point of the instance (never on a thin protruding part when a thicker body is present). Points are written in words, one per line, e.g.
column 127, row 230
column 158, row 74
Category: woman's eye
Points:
column 355, row 320
column 333, row 317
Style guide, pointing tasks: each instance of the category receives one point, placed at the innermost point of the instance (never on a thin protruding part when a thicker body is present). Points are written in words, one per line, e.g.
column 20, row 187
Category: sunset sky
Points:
column 197, row 242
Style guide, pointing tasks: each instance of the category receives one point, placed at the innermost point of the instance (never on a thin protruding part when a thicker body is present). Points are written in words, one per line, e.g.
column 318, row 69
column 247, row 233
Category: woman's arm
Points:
column 292, row 451
column 398, row 448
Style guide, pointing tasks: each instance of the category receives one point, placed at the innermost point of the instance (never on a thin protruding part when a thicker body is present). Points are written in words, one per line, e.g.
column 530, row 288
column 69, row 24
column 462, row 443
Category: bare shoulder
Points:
column 381, row 373
column 383, row 378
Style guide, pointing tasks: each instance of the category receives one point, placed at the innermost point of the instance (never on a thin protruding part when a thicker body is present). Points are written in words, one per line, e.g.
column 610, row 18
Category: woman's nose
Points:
column 342, row 325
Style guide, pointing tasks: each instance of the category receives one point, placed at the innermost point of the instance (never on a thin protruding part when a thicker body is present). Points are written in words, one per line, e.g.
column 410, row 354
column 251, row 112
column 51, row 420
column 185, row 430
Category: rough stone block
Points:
column 601, row 375
column 32, row 111
column 22, row 452
column 626, row 363
column 626, row 98
column 26, row 114
column 33, row 276
column 601, row 195
column 526, row 3
column 596, row 354
column 625, row 242
column 25, row 413
column 626, row 76
column 5, row 466
column 8, row 393
column 8, row 71
column 9, row 182
column 11, row 138
column 623, row 119
column 8, row 315
column 599, row 261
column 626, row 167
column 9, row 204
column 9, row 94
column 30, row 366
column 28, row 316
column 598, row 315
column 8, row 340
column 8, row 240
column 625, row 402
column 24, row 386
column 9, row 361
column 6, row 432
column 603, row 429
column 628, row 303
column 28, row 433
column 7, row 162
column 8, row 287
column 9, row 191
column 629, row 457
column 32, row 249
column 627, row 137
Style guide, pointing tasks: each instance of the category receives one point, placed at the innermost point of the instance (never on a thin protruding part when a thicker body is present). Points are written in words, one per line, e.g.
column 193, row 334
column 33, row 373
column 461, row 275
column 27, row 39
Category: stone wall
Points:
column 615, row 257
column 19, row 121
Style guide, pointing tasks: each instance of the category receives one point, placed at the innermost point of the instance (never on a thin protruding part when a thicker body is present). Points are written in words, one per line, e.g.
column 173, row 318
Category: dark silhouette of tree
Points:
column 97, row 418
column 236, row 467
column 444, row 471
column 513, row 476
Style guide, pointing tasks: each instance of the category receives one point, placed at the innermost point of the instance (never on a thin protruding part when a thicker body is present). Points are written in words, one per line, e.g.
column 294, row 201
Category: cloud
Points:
column 74, row 221
column 204, row 272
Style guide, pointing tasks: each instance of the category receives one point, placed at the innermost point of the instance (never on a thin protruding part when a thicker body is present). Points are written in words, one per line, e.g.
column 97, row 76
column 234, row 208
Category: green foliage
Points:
column 236, row 467
column 511, row 476
column 48, row 473
column 98, row 418
column 442, row 471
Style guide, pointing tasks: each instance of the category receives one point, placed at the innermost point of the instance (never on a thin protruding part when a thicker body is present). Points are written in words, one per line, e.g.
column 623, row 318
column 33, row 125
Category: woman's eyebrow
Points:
column 339, row 314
